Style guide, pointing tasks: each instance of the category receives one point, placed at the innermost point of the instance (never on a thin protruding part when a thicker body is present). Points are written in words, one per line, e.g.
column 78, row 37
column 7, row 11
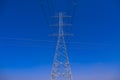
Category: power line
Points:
column 75, row 43
column 71, row 8
column 44, row 11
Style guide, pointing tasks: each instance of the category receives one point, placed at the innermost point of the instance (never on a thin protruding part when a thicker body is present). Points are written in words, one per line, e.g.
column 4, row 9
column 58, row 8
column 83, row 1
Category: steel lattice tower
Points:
column 61, row 67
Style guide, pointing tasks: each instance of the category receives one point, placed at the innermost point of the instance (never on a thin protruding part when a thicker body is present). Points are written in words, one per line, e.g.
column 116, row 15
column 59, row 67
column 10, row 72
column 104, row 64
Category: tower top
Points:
column 61, row 24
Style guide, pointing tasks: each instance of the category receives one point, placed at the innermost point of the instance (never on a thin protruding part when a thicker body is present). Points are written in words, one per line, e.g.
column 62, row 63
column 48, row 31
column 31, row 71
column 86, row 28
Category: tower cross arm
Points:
column 62, row 16
column 65, row 24
column 62, row 34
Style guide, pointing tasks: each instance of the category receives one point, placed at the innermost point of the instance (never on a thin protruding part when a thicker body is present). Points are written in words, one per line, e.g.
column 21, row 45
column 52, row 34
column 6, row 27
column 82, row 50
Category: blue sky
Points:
column 26, row 50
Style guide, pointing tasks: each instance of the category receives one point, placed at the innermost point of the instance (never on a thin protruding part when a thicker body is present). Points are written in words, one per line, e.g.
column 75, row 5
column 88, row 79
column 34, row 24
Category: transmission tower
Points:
column 61, row 67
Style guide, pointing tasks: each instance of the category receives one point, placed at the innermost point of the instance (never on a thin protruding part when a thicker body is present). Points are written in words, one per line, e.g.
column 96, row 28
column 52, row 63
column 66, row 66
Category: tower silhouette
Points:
column 61, row 67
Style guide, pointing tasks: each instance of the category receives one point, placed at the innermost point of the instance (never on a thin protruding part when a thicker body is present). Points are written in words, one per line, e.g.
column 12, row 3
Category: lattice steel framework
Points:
column 61, row 67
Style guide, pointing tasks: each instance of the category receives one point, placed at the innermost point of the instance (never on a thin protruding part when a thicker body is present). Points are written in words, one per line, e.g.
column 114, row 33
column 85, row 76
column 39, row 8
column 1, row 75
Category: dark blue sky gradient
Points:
column 24, row 40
